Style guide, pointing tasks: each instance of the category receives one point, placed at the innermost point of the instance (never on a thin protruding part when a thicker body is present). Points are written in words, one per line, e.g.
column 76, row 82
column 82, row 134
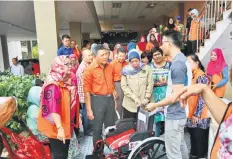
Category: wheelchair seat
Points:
column 121, row 126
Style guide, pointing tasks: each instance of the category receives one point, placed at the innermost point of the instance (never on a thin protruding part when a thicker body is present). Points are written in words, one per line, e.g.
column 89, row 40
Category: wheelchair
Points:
column 131, row 139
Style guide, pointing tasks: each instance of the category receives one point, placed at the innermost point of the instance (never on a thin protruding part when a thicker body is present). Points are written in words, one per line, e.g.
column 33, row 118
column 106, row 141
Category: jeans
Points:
column 128, row 114
column 103, row 108
column 85, row 119
column 194, row 46
column 119, row 100
column 58, row 149
column 158, row 128
column 199, row 142
column 174, row 139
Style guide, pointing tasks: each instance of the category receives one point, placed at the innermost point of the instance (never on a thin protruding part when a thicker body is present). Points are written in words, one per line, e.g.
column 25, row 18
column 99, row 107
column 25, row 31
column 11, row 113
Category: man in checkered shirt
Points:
column 87, row 59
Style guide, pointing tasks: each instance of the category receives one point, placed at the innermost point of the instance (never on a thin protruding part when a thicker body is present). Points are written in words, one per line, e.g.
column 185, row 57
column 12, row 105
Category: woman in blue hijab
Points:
column 33, row 111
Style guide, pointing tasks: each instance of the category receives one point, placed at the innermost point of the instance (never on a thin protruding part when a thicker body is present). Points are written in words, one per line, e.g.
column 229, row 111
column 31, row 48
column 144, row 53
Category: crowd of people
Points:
column 95, row 86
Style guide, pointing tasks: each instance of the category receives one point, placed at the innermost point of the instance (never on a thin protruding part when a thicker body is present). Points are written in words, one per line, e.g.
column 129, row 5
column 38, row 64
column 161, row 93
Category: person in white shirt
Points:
column 16, row 68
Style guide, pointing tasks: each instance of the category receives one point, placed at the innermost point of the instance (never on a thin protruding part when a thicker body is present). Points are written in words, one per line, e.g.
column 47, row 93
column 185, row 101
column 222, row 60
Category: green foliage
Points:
column 19, row 87
column 35, row 52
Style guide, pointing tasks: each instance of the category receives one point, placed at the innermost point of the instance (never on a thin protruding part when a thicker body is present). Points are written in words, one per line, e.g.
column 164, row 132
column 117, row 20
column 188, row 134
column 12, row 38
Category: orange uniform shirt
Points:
column 98, row 80
column 76, row 52
column 195, row 27
column 117, row 68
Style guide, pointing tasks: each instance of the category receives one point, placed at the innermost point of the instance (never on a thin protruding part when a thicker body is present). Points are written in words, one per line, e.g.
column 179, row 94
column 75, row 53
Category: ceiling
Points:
column 17, row 19
column 135, row 12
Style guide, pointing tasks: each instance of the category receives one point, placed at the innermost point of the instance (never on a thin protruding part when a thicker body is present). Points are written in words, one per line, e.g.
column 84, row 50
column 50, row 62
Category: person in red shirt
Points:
column 36, row 68
column 75, row 49
column 118, row 65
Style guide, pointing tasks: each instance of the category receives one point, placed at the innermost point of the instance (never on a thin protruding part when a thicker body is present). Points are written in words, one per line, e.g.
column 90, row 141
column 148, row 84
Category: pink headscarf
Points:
column 216, row 67
column 74, row 69
column 56, row 74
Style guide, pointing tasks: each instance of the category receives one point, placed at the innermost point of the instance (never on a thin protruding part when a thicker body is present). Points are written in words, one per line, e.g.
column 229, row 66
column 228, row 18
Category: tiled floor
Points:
column 86, row 145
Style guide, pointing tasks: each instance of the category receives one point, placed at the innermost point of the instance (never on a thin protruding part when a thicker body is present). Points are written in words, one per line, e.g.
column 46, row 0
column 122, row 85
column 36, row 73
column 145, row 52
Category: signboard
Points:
column 118, row 27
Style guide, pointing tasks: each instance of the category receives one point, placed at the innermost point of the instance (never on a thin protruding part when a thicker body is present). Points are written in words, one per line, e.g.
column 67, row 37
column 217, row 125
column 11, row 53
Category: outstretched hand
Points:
column 186, row 92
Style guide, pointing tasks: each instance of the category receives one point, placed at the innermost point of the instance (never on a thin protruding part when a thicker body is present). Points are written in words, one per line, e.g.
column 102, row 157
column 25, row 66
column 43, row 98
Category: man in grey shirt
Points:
column 176, row 115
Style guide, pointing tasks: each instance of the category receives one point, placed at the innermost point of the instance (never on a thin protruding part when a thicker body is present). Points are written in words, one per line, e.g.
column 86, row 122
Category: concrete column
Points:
column 181, row 11
column 86, row 36
column 46, row 19
column 75, row 32
column 29, row 47
column 1, row 58
column 4, row 50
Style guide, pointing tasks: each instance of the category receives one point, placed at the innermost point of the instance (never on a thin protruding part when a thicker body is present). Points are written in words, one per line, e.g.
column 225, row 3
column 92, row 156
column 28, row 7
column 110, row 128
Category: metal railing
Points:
column 209, row 15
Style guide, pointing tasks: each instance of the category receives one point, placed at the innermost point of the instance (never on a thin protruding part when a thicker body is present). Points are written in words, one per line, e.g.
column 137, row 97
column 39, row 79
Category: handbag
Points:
column 21, row 146
column 8, row 106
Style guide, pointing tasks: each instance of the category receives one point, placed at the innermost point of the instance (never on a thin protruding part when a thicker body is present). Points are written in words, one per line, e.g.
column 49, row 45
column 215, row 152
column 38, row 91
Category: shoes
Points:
column 89, row 133
column 192, row 157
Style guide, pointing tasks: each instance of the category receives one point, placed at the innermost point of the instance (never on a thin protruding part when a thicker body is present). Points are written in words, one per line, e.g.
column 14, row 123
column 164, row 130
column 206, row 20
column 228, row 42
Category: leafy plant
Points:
column 35, row 52
column 18, row 87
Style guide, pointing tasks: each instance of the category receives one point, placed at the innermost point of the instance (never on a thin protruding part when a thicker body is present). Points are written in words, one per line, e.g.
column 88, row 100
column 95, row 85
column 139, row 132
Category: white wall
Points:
column 14, row 49
column 1, row 58
column 62, row 32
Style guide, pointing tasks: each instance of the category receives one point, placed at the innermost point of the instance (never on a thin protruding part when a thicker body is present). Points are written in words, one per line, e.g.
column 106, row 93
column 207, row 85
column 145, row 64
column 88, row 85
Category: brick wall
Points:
column 190, row 4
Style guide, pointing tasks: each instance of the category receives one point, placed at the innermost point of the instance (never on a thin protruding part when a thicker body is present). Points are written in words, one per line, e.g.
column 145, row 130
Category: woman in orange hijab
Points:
column 59, row 107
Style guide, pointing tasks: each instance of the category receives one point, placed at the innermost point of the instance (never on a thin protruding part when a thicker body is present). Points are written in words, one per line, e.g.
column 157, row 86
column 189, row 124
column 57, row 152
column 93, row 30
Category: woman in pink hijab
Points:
column 59, row 106
column 217, row 69
column 75, row 64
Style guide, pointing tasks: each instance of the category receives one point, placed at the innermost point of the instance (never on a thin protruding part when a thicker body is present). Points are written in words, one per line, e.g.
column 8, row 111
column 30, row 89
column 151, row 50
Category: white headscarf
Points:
column 195, row 12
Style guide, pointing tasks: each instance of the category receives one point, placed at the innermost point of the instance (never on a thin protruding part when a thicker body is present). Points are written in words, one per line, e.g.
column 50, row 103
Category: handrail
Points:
column 203, row 8
column 210, row 14
column 228, row 6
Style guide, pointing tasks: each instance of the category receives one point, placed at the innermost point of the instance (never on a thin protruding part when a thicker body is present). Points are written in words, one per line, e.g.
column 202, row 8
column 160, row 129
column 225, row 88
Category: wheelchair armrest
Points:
column 109, row 129
column 141, row 135
column 126, row 120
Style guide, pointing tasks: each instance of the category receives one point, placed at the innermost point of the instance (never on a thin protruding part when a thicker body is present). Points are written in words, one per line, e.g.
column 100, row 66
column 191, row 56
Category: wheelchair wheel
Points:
column 150, row 148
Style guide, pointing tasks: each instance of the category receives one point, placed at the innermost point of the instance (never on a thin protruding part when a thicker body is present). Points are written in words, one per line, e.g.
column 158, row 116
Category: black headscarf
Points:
column 170, row 26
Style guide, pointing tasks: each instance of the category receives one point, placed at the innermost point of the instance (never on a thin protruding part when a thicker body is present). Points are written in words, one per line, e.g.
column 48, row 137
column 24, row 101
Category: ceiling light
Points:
column 151, row 5
column 141, row 17
column 116, row 5
column 115, row 16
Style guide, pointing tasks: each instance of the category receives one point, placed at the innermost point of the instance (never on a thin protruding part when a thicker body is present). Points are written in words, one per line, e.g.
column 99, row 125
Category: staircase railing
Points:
column 210, row 14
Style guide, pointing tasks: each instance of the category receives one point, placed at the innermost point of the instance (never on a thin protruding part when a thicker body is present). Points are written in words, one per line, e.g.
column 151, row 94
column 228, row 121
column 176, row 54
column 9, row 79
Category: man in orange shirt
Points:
column 98, row 83
column 118, row 65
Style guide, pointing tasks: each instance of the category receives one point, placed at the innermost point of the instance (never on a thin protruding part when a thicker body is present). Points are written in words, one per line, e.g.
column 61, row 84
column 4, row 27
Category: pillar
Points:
column 46, row 19
column 86, row 36
column 4, row 50
column 29, row 47
column 1, row 58
column 75, row 32
column 181, row 11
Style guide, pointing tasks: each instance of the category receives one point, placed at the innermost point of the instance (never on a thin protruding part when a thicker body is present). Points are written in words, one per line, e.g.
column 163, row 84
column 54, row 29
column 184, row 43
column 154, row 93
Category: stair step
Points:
column 226, row 13
column 220, row 27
